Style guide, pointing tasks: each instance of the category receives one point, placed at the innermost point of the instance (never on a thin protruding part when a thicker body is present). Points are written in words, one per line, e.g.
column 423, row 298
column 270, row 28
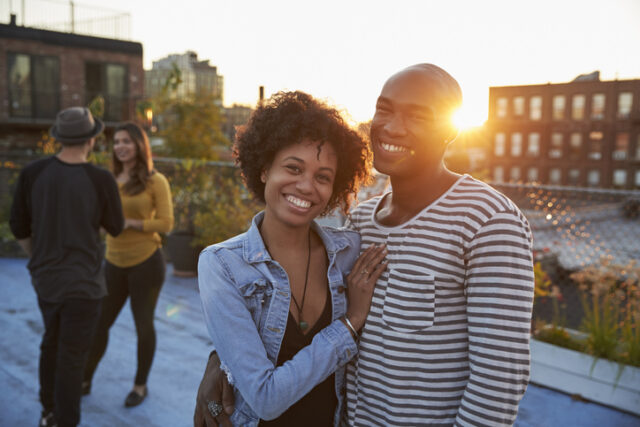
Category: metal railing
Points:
column 68, row 17
column 575, row 228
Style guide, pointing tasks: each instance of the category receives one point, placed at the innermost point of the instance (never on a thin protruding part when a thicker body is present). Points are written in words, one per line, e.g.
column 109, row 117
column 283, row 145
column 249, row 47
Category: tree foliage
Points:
column 190, row 126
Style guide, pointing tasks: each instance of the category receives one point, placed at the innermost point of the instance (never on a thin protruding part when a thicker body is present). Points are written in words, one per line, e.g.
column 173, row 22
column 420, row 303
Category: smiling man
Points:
column 447, row 339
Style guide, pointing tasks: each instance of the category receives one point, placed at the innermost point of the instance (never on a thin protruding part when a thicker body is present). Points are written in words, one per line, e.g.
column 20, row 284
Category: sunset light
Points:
column 372, row 211
column 466, row 118
column 347, row 61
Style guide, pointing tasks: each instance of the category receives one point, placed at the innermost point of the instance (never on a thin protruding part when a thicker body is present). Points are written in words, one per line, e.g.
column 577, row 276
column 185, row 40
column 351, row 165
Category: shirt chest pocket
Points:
column 257, row 297
column 409, row 301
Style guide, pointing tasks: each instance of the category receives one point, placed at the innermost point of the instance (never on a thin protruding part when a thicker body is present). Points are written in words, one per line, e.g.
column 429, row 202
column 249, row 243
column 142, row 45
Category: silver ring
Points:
column 365, row 271
column 214, row 408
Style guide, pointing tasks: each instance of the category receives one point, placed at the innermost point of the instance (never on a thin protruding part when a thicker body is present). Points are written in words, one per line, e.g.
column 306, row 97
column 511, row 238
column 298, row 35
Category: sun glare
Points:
column 465, row 119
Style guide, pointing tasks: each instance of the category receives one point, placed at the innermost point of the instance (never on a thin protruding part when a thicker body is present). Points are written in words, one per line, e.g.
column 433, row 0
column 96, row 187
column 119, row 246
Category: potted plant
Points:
column 189, row 127
column 226, row 211
column 602, row 361
column 189, row 183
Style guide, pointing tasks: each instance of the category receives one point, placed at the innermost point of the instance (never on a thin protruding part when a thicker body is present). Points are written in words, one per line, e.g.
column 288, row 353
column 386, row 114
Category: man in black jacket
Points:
column 59, row 205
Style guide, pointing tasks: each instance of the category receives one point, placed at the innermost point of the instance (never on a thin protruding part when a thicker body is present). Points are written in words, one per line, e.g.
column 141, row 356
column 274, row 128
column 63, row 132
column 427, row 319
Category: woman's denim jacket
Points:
column 246, row 296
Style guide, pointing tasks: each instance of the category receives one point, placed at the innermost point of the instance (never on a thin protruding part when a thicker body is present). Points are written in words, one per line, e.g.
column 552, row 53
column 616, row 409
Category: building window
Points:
column 558, row 107
column 110, row 82
column 577, row 107
column 597, row 106
column 502, row 104
column 515, row 174
column 555, row 150
column 637, row 179
column 575, row 146
column 555, row 176
column 500, row 143
column 619, row 178
column 535, row 108
column 34, row 85
column 518, row 106
column 625, row 101
column 595, row 146
column 622, row 146
column 532, row 174
column 498, row 174
column 533, row 148
column 516, row 144
column 593, row 178
column 573, row 177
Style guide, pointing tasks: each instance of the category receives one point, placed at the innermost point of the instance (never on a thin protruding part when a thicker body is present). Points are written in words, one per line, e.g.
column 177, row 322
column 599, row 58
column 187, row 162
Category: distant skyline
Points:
column 343, row 51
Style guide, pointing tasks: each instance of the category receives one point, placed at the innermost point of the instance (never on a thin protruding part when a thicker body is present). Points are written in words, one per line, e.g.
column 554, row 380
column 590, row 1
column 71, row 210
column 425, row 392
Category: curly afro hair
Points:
column 287, row 119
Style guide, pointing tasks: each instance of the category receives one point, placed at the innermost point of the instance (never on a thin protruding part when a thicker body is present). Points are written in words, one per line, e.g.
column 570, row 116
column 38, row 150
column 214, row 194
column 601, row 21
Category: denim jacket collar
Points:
column 254, row 249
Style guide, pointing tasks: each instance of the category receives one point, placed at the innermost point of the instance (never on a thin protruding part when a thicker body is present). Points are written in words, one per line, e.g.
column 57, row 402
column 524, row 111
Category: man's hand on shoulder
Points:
column 214, row 387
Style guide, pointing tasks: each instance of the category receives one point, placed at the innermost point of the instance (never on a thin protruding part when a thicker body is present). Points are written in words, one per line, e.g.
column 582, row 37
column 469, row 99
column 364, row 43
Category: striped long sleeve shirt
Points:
column 447, row 339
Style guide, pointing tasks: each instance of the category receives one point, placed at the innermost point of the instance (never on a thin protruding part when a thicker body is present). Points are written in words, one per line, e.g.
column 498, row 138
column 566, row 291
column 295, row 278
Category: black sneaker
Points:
column 134, row 399
column 47, row 420
column 86, row 388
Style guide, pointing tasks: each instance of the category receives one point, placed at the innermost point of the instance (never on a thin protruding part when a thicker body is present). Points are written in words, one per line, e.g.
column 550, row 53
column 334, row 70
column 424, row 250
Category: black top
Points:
column 62, row 206
column 316, row 408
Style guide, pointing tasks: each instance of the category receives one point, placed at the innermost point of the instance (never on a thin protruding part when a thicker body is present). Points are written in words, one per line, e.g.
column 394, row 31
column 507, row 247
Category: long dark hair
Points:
column 143, row 169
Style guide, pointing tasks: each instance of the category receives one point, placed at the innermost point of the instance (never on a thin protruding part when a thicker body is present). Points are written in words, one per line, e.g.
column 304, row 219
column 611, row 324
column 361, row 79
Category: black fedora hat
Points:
column 75, row 125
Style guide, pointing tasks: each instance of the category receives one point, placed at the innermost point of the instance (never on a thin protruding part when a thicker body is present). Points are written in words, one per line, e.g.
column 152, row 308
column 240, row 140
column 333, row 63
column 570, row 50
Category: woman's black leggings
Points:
column 142, row 283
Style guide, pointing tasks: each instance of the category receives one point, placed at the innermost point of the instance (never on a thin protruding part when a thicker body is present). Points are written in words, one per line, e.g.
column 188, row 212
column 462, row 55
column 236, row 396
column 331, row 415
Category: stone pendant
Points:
column 303, row 325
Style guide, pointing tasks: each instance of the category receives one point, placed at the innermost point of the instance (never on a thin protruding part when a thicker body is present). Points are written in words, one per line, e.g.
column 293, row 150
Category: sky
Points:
column 344, row 50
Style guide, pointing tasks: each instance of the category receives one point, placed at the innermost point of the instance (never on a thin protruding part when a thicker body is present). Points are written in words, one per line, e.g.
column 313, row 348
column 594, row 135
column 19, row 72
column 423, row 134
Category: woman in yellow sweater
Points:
column 135, row 266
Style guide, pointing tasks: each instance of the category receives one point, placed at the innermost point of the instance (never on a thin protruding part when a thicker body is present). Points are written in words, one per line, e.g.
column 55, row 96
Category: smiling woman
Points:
column 275, row 297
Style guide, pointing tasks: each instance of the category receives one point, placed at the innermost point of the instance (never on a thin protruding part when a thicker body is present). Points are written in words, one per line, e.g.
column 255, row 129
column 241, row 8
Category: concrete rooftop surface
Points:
column 182, row 348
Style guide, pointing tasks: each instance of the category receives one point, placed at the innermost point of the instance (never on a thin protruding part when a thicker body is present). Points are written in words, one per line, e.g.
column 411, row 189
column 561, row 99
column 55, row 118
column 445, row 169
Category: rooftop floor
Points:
column 182, row 350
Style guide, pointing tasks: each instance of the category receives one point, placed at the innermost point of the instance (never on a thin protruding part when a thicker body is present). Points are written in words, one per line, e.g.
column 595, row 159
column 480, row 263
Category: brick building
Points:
column 197, row 76
column 582, row 133
column 42, row 72
column 234, row 116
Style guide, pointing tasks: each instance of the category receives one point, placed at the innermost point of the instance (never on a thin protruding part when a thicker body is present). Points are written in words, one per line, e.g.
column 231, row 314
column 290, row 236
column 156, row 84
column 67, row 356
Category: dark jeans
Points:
column 69, row 327
column 142, row 283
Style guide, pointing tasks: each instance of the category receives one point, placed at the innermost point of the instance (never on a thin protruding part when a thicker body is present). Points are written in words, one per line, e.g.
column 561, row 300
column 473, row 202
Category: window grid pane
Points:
column 516, row 144
column 555, row 150
column 622, row 146
column 500, row 142
column 558, row 107
column 19, row 85
column 515, row 174
column 625, row 101
column 533, row 148
column 501, row 107
column 597, row 106
column 535, row 108
column 575, row 146
column 577, row 107
column 619, row 178
column 518, row 106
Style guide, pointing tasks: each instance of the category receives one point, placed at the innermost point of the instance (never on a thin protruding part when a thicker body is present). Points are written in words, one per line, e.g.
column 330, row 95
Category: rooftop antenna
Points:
column 73, row 21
